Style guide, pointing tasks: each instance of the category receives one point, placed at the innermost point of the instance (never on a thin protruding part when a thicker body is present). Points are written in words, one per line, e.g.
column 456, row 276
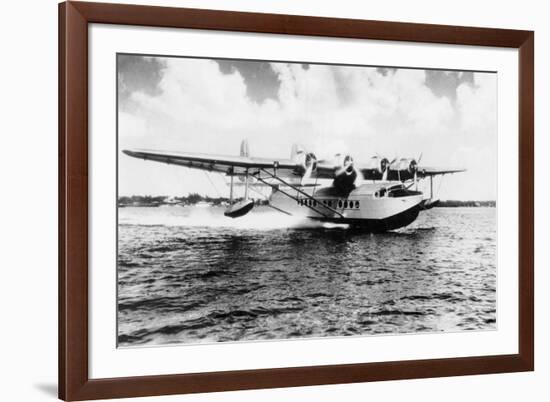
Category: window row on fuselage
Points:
column 340, row 203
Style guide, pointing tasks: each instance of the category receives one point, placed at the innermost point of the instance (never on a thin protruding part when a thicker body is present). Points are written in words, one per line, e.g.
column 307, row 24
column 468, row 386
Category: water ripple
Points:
column 188, row 279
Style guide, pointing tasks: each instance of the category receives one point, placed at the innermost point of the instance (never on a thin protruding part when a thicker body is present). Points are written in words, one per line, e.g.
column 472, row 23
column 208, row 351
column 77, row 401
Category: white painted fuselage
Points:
column 379, row 206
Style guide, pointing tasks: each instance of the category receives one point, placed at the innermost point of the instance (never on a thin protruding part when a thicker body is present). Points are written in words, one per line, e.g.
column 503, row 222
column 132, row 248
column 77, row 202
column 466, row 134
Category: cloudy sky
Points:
column 208, row 105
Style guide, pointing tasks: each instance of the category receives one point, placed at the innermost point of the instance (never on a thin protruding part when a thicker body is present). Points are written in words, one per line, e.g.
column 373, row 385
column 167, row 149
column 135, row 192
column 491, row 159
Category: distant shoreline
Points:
column 194, row 199
column 471, row 204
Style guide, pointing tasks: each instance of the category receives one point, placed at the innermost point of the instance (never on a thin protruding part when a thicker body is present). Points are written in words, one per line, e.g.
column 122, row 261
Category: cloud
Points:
column 138, row 73
column 261, row 81
column 445, row 83
column 198, row 106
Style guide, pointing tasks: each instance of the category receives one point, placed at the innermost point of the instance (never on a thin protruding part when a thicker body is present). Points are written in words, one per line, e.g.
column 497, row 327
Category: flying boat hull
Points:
column 367, row 207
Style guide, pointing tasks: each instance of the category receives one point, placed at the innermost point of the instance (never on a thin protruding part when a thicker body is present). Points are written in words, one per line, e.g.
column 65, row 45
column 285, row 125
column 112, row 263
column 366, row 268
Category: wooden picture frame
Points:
column 74, row 381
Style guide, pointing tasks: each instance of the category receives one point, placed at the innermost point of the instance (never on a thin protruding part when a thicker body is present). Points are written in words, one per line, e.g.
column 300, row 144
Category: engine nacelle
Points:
column 306, row 163
column 403, row 169
column 407, row 164
column 345, row 174
column 376, row 167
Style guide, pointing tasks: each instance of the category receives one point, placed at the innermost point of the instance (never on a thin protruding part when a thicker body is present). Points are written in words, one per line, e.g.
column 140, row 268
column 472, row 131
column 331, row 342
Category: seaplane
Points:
column 377, row 196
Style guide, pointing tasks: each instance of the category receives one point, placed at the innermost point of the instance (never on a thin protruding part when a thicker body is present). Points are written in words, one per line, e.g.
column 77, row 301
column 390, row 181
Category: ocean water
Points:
column 189, row 275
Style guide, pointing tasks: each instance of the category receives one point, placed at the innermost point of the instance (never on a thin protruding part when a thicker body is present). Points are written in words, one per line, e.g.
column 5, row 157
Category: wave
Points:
column 214, row 218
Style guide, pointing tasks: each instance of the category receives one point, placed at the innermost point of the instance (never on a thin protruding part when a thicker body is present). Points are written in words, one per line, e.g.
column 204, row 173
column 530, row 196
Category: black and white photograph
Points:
column 267, row 200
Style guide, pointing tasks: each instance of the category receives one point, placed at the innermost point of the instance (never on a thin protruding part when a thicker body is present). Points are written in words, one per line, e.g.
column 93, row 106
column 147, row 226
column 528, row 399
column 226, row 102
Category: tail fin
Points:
column 295, row 151
column 245, row 150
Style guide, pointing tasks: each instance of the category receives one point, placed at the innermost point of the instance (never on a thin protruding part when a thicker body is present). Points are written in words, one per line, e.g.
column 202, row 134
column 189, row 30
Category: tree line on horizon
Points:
column 194, row 198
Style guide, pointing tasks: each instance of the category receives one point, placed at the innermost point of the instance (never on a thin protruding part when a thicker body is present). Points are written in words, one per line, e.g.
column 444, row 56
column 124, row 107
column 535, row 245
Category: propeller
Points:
column 346, row 166
column 414, row 166
column 307, row 175
column 345, row 173
column 387, row 168
column 310, row 163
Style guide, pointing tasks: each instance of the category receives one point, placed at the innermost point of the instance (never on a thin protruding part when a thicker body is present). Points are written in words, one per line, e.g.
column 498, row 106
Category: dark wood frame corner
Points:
column 74, row 382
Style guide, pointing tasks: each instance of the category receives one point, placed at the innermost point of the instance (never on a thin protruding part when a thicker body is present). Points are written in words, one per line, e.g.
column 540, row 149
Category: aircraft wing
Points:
column 369, row 173
column 236, row 165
